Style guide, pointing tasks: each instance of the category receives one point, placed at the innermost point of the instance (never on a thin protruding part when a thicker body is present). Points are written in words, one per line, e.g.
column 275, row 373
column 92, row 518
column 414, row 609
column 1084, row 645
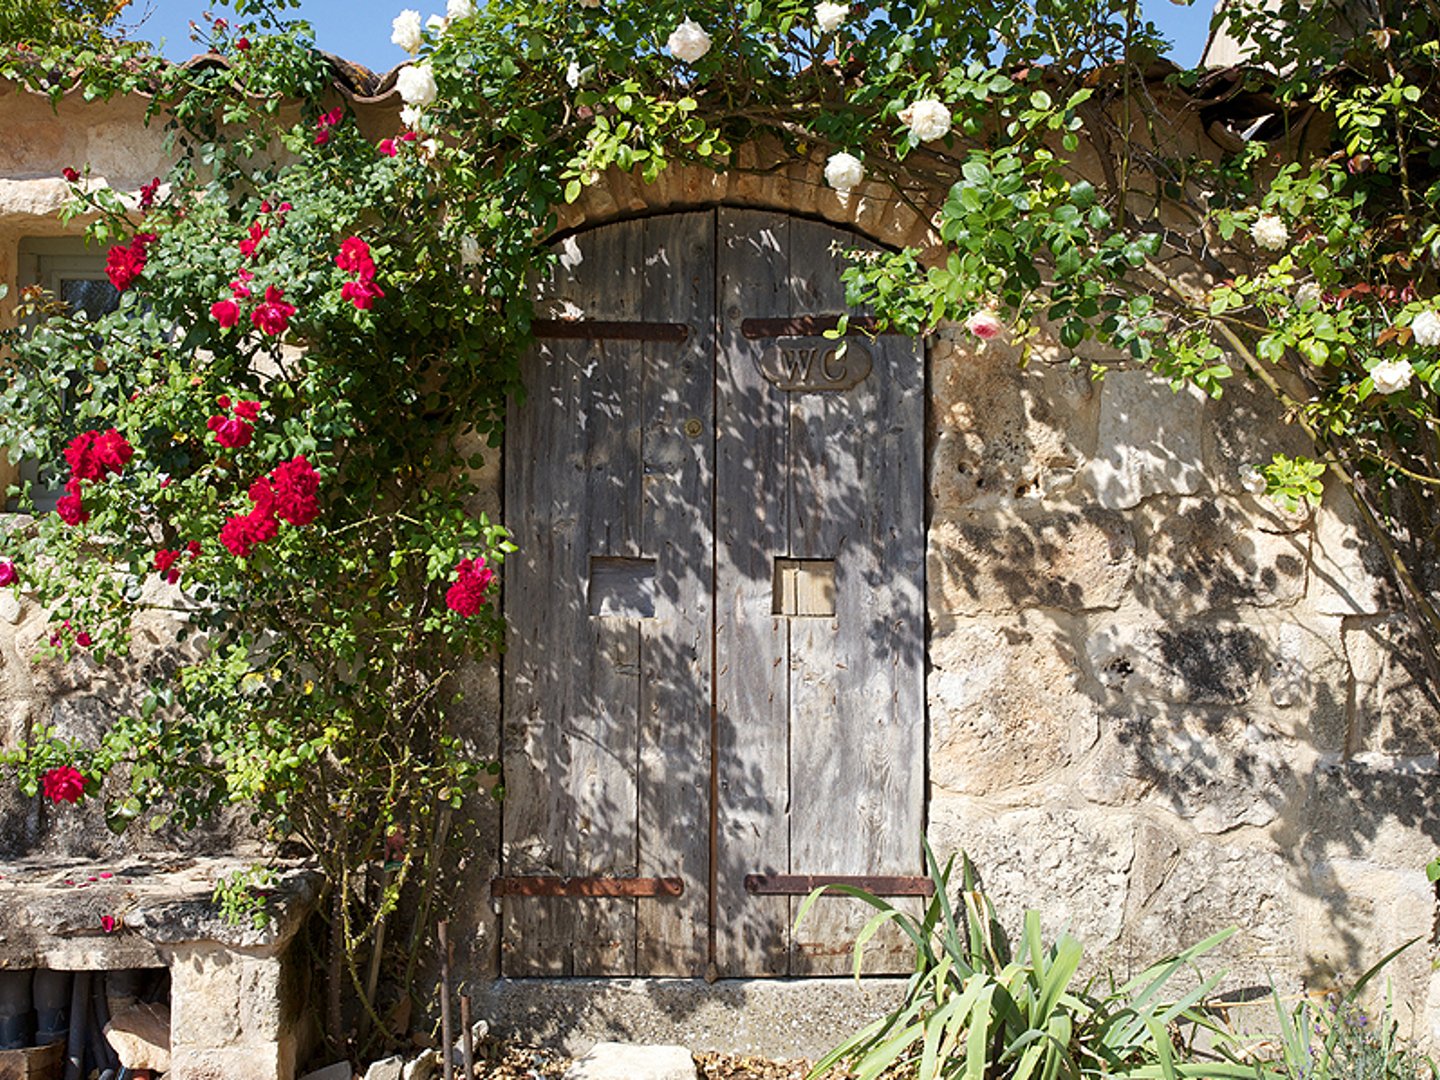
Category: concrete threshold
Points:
column 774, row 1018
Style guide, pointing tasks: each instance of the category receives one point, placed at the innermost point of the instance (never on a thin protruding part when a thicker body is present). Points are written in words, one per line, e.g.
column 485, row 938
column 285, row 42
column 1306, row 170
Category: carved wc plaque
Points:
column 807, row 364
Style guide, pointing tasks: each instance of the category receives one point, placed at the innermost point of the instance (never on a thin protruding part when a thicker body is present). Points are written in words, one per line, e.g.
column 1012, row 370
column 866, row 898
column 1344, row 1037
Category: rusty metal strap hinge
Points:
column 608, row 330
column 810, row 326
column 800, row 884
column 586, row 887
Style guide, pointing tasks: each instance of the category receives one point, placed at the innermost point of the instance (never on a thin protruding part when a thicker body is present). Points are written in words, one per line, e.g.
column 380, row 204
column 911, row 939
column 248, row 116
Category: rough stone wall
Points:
column 1160, row 706
column 1157, row 704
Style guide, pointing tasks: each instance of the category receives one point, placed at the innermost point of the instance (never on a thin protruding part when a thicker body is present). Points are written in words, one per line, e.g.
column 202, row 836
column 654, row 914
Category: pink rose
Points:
column 8, row 576
column 985, row 325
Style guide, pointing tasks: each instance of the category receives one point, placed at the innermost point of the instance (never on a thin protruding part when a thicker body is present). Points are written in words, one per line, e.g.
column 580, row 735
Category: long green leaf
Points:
column 977, row 1041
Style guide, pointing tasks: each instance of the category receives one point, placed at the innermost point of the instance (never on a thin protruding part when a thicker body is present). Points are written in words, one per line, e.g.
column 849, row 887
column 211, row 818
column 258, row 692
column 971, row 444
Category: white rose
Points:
column 688, row 42
column 1391, row 376
column 1426, row 328
column 828, row 16
column 405, row 31
column 416, row 83
column 1269, row 232
column 469, row 250
column 436, row 23
column 410, row 116
column 844, row 172
column 1308, row 295
column 927, row 120
column 572, row 75
column 459, row 9
column 1252, row 479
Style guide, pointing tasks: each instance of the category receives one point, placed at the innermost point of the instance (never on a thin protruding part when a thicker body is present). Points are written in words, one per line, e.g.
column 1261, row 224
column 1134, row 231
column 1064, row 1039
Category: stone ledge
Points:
column 54, row 910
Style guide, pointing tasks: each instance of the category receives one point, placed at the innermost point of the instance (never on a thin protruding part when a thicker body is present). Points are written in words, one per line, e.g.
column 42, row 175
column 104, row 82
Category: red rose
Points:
column 81, row 456
column 64, row 783
column 240, row 288
column 273, row 316
column 247, row 410
column 230, row 432
column 113, row 451
column 252, row 239
column 362, row 294
column 193, row 549
column 467, row 594
column 354, row 257
column 165, row 564
column 70, row 175
column 321, row 138
column 240, row 534
column 226, row 313
column 8, row 576
column 124, row 264
column 387, row 147
column 293, row 486
column 83, row 639
column 147, row 193
column 243, row 44
column 71, row 510
column 109, row 923
column 93, row 454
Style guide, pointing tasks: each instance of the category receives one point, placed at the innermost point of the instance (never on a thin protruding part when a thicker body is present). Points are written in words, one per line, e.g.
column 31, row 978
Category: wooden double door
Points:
column 714, row 682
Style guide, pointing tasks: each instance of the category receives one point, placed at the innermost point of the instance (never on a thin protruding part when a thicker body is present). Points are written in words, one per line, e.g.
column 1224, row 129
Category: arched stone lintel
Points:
column 761, row 180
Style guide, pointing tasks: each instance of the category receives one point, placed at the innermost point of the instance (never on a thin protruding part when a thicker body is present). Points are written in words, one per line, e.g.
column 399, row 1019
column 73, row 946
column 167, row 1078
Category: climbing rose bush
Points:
column 374, row 298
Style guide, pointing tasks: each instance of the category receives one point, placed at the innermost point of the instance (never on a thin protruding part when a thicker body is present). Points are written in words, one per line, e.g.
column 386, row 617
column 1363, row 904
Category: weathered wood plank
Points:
column 851, row 756
column 543, row 515
column 604, row 742
column 572, row 742
column 677, row 530
column 751, row 649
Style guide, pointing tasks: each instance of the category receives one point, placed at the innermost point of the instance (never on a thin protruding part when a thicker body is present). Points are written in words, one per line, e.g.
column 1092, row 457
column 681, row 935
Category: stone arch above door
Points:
column 761, row 180
column 716, row 673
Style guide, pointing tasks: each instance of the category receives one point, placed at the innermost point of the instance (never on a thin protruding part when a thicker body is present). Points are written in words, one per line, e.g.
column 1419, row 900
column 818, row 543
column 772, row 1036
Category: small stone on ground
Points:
column 632, row 1061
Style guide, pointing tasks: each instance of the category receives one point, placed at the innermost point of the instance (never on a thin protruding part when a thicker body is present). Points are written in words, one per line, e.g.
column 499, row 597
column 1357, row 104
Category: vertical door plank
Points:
column 751, row 650
column 543, row 513
column 678, row 467
column 854, row 758
column 572, row 703
column 605, row 740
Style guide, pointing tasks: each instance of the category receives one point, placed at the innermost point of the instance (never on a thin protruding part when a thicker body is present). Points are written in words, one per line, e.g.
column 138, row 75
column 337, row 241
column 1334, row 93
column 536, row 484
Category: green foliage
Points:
column 320, row 686
column 243, row 896
column 1339, row 1038
column 981, row 1007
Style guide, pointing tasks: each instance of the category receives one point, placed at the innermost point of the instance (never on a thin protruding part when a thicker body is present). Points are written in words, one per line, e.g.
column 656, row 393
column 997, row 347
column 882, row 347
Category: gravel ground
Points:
column 508, row 1061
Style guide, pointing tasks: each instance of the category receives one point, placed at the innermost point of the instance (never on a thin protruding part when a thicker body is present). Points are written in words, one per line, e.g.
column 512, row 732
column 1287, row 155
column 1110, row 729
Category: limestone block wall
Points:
column 1160, row 705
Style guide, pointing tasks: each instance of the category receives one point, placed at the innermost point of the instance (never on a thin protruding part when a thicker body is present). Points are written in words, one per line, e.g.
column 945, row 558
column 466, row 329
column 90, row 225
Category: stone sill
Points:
column 54, row 910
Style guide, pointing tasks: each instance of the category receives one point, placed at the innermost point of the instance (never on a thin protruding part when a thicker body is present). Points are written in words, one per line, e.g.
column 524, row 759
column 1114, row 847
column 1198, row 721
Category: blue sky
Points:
column 359, row 30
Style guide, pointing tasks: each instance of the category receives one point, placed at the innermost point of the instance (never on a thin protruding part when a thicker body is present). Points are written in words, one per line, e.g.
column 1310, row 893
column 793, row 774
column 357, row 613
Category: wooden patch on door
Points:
column 804, row 587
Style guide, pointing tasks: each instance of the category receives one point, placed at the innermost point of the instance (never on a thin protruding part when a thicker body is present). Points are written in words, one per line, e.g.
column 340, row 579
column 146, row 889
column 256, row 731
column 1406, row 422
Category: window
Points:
column 74, row 274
